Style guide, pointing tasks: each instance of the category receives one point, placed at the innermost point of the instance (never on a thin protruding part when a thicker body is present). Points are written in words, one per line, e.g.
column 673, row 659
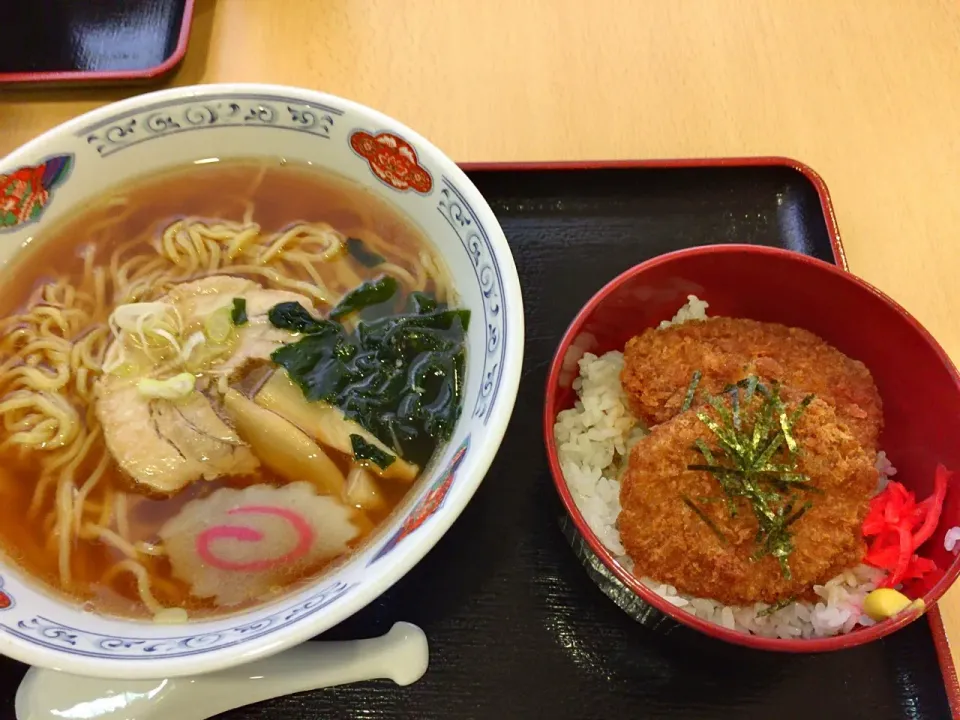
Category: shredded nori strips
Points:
column 755, row 462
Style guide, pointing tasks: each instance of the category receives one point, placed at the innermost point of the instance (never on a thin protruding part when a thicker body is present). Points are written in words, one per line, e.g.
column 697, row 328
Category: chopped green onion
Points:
column 218, row 326
column 174, row 388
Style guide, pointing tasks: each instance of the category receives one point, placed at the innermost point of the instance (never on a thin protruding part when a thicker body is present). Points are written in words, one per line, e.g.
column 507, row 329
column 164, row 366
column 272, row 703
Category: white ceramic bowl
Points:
column 80, row 159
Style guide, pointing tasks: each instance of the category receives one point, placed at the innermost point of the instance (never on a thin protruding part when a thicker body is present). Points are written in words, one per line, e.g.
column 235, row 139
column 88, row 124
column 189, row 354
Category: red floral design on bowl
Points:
column 25, row 192
column 393, row 160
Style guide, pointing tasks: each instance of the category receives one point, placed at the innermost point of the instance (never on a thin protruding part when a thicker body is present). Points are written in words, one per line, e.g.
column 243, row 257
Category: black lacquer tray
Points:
column 517, row 624
column 62, row 43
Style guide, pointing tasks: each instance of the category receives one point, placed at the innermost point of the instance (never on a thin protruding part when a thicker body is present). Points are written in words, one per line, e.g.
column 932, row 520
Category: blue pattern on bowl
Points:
column 172, row 117
column 76, row 641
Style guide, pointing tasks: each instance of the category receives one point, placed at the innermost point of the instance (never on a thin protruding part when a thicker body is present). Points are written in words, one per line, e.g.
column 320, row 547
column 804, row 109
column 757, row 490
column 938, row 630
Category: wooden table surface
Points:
column 867, row 92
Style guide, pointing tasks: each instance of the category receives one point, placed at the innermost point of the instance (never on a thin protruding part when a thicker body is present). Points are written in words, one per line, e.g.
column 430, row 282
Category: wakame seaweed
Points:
column 372, row 292
column 294, row 317
column 358, row 250
column 399, row 376
column 419, row 303
column 362, row 450
column 239, row 312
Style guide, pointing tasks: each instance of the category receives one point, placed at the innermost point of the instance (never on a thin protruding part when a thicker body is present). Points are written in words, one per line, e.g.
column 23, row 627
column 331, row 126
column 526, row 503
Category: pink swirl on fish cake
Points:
column 247, row 534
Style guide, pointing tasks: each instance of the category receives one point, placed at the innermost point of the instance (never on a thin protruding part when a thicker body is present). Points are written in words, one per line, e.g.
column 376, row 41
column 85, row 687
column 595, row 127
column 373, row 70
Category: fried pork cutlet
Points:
column 658, row 366
column 674, row 544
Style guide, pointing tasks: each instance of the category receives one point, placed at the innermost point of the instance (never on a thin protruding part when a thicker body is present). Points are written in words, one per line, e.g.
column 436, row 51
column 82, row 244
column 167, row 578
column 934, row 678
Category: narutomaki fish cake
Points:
column 701, row 531
column 659, row 363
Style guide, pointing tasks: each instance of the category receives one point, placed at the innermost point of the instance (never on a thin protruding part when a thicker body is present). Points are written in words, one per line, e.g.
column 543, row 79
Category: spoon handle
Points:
column 402, row 655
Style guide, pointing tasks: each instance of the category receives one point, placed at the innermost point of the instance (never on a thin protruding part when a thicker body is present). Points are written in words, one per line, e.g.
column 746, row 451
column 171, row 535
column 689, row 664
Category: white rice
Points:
column 593, row 442
column 951, row 541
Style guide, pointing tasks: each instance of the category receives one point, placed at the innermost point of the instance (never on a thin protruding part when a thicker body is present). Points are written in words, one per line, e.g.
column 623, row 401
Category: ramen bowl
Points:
column 918, row 385
column 49, row 180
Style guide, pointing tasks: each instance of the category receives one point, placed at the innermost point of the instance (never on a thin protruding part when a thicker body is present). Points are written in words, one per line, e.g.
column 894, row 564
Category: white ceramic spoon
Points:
column 401, row 655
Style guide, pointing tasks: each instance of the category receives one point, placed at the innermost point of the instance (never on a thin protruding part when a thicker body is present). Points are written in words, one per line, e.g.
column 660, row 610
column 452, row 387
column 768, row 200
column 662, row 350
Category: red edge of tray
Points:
column 940, row 641
column 75, row 77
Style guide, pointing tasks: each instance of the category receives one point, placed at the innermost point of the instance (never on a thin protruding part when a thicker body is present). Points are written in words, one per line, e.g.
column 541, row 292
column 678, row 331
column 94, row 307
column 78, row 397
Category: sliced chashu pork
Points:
column 257, row 338
column 165, row 444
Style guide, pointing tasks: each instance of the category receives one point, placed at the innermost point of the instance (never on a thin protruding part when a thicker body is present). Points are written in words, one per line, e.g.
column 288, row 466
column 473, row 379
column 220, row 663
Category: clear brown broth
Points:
column 286, row 194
